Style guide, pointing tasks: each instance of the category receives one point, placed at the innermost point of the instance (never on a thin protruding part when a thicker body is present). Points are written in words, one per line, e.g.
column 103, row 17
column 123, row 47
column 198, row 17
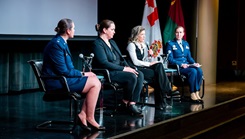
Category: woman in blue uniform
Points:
column 179, row 53
column 57, row 60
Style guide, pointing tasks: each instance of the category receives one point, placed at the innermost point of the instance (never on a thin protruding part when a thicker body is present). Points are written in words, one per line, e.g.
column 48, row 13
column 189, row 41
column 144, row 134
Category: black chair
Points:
column 108, row 84
column 57, row 95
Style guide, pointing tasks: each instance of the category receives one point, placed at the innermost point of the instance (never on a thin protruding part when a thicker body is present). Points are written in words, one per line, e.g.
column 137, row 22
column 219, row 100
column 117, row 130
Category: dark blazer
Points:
column 103, row 56
column 57, row 60
column 176, row 55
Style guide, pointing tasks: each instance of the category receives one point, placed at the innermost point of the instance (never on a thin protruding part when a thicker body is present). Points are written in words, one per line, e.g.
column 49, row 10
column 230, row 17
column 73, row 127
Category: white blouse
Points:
column 131, row 48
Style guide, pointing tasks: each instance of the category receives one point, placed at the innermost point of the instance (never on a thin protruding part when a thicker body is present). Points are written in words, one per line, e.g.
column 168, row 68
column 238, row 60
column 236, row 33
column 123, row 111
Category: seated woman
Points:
column 107, row 55
column 139, row 54
column 180, row 54
column 57, row 60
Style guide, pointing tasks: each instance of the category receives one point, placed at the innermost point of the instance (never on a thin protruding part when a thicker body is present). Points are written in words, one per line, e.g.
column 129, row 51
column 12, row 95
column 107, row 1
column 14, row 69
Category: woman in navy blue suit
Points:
column 107, row 55
column 179, row 53
column 57, row 60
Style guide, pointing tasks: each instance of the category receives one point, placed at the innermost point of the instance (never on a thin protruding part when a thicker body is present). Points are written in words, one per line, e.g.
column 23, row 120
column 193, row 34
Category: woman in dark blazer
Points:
column 180, row 54
column 57, row 60
column 107, row 55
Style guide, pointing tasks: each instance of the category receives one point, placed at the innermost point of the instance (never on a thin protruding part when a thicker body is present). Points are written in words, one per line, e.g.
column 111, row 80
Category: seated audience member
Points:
column 57, row 60
column 108, row 56
column 180, row 54
column 140, row 54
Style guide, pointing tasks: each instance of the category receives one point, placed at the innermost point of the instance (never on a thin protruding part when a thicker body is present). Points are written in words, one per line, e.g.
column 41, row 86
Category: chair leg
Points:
column 183, row 88
column 145, row 94
column 203, row 87
column 61, row 126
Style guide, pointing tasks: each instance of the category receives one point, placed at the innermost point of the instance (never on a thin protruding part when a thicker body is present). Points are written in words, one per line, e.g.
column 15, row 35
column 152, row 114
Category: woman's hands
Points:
column 150, row 52
column 129, row 69
column 189, row 65
column 184, row 66
column 153, row 62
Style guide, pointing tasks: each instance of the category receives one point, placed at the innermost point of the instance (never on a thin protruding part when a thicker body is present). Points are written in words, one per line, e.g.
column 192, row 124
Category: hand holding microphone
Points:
column 150, row 52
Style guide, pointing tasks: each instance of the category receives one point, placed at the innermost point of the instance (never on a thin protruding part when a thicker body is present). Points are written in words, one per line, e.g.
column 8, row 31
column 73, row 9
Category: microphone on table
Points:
column 87, row 61
column 81, row 56
column 83, row 62
column 90, row 59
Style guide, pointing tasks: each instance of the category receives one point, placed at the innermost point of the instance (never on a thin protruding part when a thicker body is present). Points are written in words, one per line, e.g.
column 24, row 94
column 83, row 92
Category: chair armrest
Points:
column 103, row 72
column 62, row 79
column 174, row 66
column 53, row 94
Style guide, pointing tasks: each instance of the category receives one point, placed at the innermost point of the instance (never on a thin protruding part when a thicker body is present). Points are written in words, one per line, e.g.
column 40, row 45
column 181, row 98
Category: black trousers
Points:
column 133, row 84
column 156, row 75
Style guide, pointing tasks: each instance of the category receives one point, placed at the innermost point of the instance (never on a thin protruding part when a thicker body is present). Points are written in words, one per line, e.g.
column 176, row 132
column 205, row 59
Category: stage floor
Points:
column 21, row 112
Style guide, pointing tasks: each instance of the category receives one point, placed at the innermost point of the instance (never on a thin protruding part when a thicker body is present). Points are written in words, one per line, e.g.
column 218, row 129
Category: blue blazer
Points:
column 103, row 56
column 176, row 55
column 57, row 60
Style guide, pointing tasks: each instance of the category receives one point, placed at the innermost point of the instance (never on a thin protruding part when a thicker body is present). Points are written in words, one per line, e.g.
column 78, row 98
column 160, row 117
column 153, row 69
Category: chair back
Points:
column 37, row 69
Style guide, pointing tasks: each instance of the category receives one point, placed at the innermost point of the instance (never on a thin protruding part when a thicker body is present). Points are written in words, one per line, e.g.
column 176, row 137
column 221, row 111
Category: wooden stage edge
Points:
column 195, row 124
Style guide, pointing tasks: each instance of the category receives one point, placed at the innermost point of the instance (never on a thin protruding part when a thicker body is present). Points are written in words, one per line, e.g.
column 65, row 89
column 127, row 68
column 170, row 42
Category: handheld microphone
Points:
column 147, row 45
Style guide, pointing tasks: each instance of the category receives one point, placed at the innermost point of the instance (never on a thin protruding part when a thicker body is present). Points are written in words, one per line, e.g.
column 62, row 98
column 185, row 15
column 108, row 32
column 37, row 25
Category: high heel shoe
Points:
column 165, row 104
column 100, row 128
column 134, row 110
column 198, row 101
column 84, row 127
column 194, row 98
column 198, row 97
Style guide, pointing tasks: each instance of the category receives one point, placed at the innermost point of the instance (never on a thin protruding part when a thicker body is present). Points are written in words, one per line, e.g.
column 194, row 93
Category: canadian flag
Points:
column 151, row 24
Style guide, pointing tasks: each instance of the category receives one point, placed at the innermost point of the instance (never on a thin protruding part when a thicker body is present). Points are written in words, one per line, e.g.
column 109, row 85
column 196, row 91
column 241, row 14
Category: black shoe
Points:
column 166, row 105
column 134, row 110
column 200, row 100
column 159, row 106
column 196, row 101
column 173, row 93
column 84, row 127
column 122, row 106
column 100, row 128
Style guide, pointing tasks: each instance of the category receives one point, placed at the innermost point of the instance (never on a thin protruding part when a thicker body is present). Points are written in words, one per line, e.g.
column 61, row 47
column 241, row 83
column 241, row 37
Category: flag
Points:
column 175, row 18
column 151, row 24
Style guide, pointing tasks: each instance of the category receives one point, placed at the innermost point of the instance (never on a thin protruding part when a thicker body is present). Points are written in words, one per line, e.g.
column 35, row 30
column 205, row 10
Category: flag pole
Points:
column 197, row 17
